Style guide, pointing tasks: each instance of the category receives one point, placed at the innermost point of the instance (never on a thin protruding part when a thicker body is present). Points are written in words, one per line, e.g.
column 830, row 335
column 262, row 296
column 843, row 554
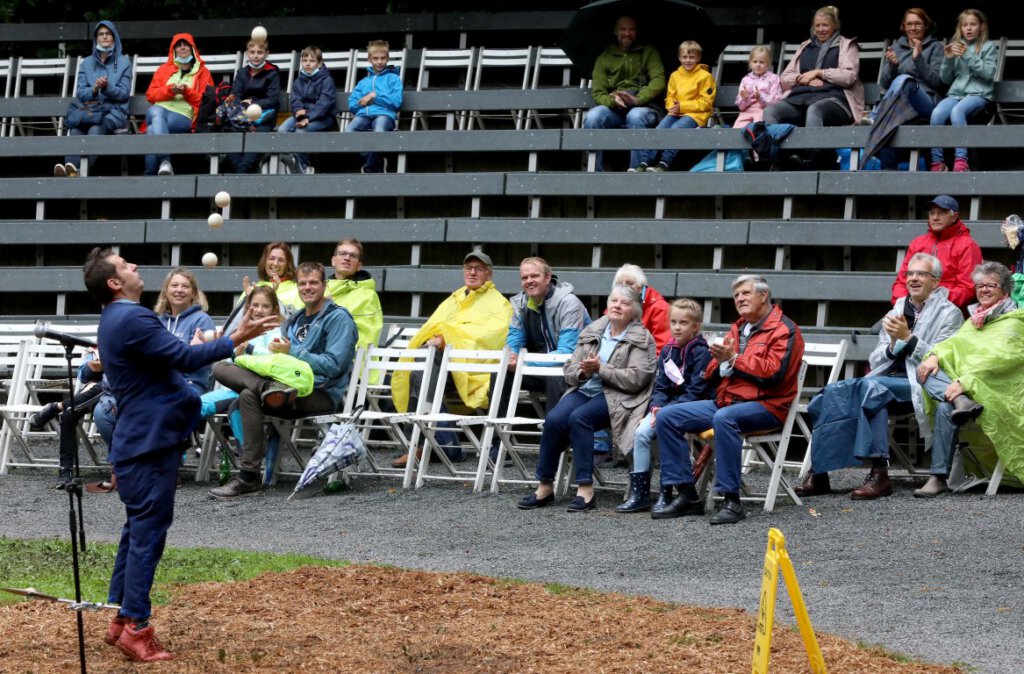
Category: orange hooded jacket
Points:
column 159, row 90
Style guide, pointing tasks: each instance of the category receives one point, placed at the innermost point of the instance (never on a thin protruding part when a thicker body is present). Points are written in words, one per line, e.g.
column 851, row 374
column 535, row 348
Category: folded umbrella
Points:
column 342, row 447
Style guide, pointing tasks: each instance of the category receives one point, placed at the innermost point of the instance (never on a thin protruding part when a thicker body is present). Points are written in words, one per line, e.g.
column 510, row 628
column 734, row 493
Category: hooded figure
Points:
column 101, row 95
column 175, row 93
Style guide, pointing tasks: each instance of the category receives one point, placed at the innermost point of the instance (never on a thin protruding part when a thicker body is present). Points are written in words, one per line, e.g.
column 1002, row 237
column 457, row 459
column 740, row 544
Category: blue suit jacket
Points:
column 156, row 407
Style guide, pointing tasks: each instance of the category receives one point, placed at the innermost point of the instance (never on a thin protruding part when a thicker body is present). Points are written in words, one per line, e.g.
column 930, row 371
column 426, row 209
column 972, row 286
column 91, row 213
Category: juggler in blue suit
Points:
column 157, row 411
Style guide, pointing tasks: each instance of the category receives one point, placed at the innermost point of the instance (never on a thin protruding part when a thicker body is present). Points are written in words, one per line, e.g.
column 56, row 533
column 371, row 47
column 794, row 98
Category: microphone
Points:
column 43, row 331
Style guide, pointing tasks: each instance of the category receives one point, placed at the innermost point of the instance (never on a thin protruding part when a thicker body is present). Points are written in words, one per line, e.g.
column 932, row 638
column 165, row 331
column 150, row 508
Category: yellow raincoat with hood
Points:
column 468, row 319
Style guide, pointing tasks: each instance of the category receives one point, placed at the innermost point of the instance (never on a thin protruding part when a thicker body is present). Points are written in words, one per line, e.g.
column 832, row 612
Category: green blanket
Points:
column 988, row 364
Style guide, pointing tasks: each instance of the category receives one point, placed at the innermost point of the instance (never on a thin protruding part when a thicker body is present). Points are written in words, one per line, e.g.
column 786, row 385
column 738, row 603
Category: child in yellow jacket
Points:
column 690, row 99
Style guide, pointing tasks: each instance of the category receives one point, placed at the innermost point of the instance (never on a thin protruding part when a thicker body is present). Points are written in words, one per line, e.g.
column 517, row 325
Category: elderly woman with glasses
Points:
column 610, row 377
column 981, row 363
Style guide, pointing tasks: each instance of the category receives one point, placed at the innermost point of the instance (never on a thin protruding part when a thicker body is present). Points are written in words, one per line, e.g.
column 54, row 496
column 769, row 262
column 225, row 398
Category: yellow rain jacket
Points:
column 468, row 319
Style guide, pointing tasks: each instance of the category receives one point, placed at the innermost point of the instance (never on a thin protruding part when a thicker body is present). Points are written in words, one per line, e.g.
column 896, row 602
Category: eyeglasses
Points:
column 916, row 273
column 347, row 254
column 474, row 269
column 986, row 286
column 913, row 24
column 104, row 33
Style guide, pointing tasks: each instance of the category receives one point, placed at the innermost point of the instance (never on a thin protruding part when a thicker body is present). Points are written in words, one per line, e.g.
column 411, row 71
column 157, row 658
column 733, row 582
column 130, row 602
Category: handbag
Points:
column 83, row 115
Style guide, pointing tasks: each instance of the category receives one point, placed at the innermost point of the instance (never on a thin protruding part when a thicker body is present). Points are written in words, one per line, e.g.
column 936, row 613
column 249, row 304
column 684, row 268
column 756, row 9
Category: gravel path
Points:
column 939, row 579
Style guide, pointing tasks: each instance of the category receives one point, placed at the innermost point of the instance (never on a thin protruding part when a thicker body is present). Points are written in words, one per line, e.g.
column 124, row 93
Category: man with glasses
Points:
column 851, row 417
column 949, row 240
column 476, row 316
column 353, row 288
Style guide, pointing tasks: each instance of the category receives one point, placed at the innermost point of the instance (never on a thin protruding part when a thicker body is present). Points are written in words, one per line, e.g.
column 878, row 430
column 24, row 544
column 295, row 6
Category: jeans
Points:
column 104, row 415
column 955, row 111
column 572, row 423
column 667, row 156
column 642, row 444
column 289, row 126
column 944, row 433
column 675, row 421
column 372, row 161
column 247, row 162
column 603, row 117
column 826, row 112
column 159, row 122
column 918, row 97
column 108, row 126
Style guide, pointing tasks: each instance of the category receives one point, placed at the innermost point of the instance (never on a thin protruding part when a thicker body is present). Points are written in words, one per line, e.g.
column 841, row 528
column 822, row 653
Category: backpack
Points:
column 763, row 148
column 214, row 96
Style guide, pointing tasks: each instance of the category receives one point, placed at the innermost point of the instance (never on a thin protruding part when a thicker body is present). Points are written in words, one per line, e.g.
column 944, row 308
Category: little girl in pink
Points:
column 758, row 89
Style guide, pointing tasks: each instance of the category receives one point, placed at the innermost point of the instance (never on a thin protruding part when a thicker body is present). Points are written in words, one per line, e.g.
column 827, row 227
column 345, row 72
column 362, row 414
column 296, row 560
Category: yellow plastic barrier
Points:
column 776, row 558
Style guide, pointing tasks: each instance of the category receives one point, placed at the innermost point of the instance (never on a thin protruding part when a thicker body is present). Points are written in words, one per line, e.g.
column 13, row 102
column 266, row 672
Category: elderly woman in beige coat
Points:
column 611, row 374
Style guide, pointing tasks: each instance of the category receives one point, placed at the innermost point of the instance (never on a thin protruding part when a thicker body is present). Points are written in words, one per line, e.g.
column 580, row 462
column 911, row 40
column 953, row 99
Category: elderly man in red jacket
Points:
column 949, row 240
column 754, row 370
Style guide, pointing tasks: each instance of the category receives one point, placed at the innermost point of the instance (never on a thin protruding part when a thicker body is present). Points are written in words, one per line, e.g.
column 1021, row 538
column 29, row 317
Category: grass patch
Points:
column 46, row 566
column 561, row 589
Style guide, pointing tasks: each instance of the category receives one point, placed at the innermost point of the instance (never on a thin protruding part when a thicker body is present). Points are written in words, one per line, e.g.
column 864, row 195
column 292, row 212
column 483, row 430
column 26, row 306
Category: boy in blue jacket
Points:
column 375, row 101
column 102, row 92
column 680, row 379
column 314, row 103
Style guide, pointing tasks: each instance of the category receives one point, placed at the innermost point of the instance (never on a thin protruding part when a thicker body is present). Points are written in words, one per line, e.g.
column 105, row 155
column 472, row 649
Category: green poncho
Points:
column 987, row 363
column 282, row 368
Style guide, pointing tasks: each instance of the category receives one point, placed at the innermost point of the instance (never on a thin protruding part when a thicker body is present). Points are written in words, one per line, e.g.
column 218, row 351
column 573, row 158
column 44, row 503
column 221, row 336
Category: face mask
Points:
column 250, row 64
column 312, row 72
column 105, row 50
column 183, row 61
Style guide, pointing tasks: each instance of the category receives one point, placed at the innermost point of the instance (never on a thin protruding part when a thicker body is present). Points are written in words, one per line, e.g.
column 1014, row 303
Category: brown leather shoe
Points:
column 114, row 629
column 876, row 485
column 403, row 460
column 141, row 645
column 815, row 484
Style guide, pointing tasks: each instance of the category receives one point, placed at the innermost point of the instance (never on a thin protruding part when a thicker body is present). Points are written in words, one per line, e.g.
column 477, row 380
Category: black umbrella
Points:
column 662, row 23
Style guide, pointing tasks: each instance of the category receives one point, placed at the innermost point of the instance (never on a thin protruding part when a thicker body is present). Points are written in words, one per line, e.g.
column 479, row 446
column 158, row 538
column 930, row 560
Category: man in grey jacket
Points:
column 851, row 417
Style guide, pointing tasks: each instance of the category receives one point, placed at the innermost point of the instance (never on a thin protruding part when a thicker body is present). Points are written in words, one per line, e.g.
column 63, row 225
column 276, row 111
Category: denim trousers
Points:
column 290, row 126
column 572, row 423
column 372, row 161
column 108, row 126
column 675, row 421
column 666, row 156
column 642, row 444
column 954, row 111
column 161, row 121
column 603, row 117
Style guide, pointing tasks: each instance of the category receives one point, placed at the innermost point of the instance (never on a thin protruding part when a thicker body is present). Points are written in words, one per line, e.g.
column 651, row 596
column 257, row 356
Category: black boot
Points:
column 965, row 409
column 686, row 502
column 664, row 497
column 38, row 420
column 639, row 494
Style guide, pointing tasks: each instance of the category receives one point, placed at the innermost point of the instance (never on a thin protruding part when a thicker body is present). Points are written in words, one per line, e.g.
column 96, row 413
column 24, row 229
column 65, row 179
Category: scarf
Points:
column 979, row 315
column 823, row 49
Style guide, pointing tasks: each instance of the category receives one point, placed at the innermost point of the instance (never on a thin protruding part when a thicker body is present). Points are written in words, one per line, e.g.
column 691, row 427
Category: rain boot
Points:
column 664, row 497
column 639, row 494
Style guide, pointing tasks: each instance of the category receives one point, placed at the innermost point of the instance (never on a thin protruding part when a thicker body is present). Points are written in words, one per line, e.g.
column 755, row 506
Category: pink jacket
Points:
column 769, row 89
column 847, row 75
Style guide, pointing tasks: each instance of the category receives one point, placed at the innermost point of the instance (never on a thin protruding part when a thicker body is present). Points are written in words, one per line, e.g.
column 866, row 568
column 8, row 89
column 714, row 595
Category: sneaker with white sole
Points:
column 71, row 170
column 165, row 169
column 58, row 171
column 309, row 170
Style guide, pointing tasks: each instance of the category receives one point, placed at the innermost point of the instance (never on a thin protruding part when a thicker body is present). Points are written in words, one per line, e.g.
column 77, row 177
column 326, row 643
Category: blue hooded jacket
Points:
column 183, row 326
column 388, row 86
column 316, row 94
column 118, row 70
column 329, row 348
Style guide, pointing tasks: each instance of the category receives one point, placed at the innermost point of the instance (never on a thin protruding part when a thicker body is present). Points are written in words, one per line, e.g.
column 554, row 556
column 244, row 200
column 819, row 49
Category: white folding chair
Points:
column 223, row 66
column 519, row 435
column 147, row 67
column 502, row 59
column 53, row 77
column 770, row 448
column 458, row 61
column 380, row 363
column 1010, row 53
column 468, row 361
column 6, row 72
column 340, row 64
column 553, row 59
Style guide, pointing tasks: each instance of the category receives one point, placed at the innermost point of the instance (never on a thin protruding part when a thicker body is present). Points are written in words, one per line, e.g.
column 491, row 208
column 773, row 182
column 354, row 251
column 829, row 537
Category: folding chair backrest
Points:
column 288, row 64
column 385, row 360
column 143, row 69
column 52, row 73
column 340, row 64
column 549, row 59
column 733, row 62
column 1010, row 66
column 492, row 59
column 473, row 361
column 457, row 61
column 786, row 53
column 223, row 66
column 396, row 58
column 828, row 357
column 354, row 381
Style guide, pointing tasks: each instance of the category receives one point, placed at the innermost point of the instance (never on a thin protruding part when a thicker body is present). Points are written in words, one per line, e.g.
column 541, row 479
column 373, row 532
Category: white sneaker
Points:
column 165, row 169
column 309, row 170
column 70, row 170
column 58, row 171
column 934, row 487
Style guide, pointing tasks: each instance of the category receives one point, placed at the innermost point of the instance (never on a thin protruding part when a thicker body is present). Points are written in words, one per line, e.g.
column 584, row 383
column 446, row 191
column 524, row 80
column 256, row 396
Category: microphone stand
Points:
column 76, row 520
